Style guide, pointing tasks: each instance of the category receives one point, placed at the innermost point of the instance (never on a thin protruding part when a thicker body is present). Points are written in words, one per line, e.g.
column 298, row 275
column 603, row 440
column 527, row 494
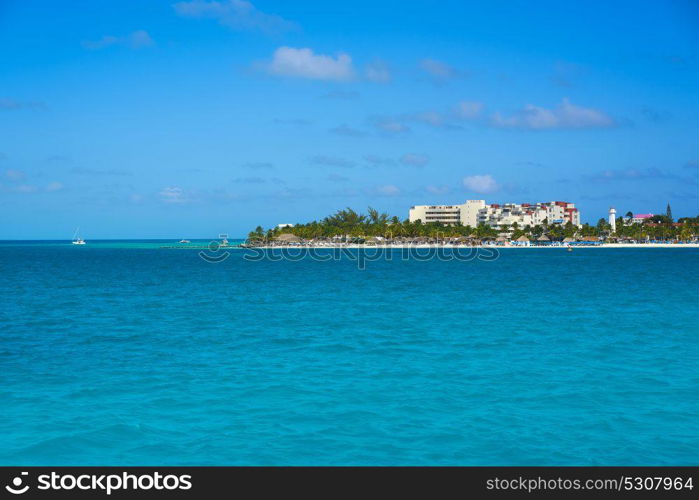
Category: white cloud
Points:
column 438, row 189
column 378, row 72
column 25, row 188
column 172, row 194
column 13, row 104
column 391, row 125
column 448, row 119
column 332, row 161
column 139, row 39
column 481, row 184
column 438, row 70
column 388, row 190
column 414, row 160
column 347, row 131
column 631, row 174
column 433, row 118
column 136, row 40
column 469, row 109
column 378, row 161
column 303, row 63
column 235, row 14
column 105, row 41
column 566, row 115
column 54, row 186
column 14, row 175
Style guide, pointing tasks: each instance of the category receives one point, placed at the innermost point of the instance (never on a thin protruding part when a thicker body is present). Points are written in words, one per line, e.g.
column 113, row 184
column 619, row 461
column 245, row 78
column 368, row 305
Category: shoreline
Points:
column 449, row 245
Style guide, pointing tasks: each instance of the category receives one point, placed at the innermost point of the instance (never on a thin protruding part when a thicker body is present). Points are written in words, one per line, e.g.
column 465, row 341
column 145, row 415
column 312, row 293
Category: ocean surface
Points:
column 125, row 353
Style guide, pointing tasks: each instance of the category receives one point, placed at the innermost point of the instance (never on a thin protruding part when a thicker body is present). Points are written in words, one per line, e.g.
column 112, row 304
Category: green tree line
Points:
column 348, row 222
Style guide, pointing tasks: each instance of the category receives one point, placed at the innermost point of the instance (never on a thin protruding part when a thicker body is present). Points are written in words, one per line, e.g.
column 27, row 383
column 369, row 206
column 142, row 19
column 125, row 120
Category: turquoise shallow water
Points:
column 125, row 353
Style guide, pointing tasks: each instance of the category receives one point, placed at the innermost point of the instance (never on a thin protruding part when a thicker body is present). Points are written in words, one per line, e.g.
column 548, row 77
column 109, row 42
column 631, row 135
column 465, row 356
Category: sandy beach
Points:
column 448, row 245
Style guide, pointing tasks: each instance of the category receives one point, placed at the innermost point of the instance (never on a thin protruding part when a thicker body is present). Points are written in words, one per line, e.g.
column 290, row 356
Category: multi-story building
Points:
column 466, row 214
column 524, row 214
column 529, row 214
column 475, row 212
column 641, row 218
column 561, row 212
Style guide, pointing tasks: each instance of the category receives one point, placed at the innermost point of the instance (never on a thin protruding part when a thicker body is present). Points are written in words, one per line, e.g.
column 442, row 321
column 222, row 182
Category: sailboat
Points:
column 77, row 240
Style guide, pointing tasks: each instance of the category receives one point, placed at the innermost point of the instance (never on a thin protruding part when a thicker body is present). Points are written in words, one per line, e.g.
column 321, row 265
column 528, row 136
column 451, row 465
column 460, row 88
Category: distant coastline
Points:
column 350, row 229
column 459, row 246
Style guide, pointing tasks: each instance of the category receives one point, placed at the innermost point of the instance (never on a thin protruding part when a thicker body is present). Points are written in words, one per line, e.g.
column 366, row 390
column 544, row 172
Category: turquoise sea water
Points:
column 126, row 353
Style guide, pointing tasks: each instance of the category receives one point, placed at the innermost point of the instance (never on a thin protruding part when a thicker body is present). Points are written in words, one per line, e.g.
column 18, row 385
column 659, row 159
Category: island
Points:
column 348, row 227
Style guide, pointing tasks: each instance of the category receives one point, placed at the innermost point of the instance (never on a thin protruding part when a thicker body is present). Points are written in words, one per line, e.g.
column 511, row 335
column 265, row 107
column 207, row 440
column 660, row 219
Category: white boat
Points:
column 185, row 241
column 77, row 240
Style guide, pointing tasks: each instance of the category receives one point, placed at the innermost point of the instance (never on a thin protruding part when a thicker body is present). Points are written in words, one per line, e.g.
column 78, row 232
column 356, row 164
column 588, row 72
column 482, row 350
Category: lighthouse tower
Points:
column 612, row 219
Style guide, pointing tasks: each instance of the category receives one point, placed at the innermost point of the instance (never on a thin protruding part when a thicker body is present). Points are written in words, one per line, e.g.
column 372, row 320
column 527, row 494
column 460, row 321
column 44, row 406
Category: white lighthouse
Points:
column 612, row 218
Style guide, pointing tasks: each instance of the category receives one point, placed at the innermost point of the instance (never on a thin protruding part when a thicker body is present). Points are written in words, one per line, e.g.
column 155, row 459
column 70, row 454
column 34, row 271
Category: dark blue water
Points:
column 131, row 354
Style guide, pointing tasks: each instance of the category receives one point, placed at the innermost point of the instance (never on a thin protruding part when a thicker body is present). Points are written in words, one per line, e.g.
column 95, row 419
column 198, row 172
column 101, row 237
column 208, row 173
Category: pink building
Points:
column 640, row 218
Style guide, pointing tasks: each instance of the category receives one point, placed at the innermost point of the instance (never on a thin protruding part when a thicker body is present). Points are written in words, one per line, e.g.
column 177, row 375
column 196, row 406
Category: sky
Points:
column 162, row 119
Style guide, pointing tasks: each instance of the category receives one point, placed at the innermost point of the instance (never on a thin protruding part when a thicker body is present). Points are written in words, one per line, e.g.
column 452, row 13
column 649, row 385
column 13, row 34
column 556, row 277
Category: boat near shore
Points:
column 77, row 239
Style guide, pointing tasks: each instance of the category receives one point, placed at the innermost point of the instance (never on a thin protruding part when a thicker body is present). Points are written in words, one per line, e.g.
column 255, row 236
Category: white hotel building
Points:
column 475, row 212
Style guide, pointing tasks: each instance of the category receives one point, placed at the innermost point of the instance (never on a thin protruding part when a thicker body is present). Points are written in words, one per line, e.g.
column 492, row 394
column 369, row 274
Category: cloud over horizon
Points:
column 14, row 174
column 235, row 14
column 172, row 195
column 439, row 71
column 378, row 72
column 414, row 160
column 135, row 40
column 331, row 161
column 388, row 190
column 630, row 174
column 438, row 189
column 9, row 104
column 347, row 131
column 390, row 125
column 468, row 110
column 304, row 63
column 565, row 116
column 482, row 184
column 377, row 161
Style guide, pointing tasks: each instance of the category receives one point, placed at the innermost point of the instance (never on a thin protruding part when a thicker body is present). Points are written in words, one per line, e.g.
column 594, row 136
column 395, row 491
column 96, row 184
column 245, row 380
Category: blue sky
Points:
column 187, row 119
